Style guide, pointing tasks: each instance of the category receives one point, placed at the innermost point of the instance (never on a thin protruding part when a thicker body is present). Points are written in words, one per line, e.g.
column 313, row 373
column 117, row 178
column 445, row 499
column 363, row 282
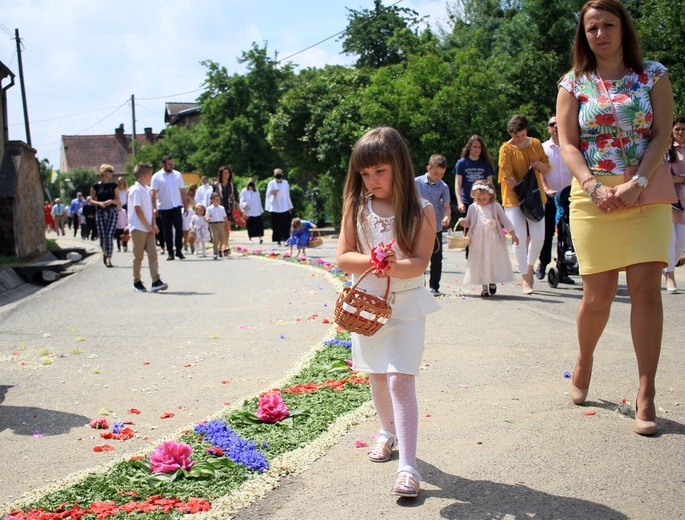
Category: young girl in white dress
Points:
column 488, row 262
column 201, row 228
column 382, row 208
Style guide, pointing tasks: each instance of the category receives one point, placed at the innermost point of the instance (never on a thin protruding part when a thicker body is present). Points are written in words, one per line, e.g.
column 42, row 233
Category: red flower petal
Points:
column 361, row 444
column 225, row 381
column 134, row 411
column 589, row 412
column 146, row 362
column 103, row 447
column 167, row 415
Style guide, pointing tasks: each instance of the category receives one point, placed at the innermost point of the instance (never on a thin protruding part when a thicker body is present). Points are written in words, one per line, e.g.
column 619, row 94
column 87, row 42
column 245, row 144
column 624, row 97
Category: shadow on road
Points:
column 476, row 499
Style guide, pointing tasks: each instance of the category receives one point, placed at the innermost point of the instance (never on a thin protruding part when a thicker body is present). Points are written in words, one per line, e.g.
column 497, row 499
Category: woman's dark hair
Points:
column 484, row 154
column 251, row 186
column 672, row 155
column 517, row 123
column 221, row 170
column 584, row 61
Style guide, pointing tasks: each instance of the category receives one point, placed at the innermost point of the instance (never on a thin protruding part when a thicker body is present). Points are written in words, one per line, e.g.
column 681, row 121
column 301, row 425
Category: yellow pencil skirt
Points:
column 608, row 241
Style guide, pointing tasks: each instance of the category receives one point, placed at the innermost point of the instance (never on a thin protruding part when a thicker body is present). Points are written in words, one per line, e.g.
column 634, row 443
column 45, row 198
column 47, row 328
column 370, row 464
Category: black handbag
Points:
column 530, row 200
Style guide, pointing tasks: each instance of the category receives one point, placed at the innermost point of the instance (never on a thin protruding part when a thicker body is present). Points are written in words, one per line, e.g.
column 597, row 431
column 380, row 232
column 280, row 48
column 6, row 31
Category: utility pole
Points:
column 134, row 142
column 23, row 89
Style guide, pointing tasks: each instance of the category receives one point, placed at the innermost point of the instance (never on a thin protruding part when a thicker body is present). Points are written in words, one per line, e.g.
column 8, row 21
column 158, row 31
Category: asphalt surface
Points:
column 499, row 437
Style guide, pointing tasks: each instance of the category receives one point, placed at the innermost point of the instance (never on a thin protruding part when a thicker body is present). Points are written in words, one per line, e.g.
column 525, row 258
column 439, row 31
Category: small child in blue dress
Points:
column 300, row 233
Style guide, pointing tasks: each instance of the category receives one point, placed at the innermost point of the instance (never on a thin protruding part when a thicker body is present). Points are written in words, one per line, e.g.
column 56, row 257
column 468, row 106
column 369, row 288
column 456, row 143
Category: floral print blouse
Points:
column 599, row 141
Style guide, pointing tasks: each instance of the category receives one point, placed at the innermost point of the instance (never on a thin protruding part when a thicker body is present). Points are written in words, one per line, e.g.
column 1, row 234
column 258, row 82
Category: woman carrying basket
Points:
column 382, row 212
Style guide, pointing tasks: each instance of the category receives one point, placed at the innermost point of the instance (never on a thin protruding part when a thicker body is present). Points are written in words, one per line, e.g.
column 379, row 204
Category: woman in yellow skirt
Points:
column 614, row 111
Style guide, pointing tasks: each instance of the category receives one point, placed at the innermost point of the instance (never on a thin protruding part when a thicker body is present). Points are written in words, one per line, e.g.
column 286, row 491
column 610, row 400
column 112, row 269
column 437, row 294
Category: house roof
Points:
column 90, row 151
column 173, row 110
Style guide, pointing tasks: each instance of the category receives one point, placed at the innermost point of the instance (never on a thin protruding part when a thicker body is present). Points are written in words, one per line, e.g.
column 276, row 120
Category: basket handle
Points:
column 462, row 227
column 364, row 274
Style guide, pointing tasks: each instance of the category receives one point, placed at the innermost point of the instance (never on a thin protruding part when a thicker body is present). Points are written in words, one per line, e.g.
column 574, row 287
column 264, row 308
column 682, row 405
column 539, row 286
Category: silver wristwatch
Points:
column 640, row 180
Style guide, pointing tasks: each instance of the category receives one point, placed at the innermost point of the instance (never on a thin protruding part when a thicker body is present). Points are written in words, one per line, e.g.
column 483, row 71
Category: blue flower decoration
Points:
column 239, row 450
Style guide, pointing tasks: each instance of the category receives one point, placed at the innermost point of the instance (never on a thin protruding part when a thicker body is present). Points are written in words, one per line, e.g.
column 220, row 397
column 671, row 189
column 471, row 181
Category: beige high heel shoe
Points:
column 578, row 395
column 642, row 427
column 528, row 281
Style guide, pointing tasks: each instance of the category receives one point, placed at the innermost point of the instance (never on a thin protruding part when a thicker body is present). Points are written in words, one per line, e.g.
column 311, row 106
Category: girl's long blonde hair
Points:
column 384, row 145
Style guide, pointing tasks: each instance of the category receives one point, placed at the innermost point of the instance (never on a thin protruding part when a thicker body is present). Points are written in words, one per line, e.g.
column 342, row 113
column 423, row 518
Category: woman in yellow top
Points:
column 516, row 157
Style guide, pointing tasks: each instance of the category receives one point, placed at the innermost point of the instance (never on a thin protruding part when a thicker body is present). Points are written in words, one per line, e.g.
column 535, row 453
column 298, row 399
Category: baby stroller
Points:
column 566, row 261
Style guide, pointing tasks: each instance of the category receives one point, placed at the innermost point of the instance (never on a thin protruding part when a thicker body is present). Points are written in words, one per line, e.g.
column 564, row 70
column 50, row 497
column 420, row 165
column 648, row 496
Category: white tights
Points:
column 677, row 246
column 526, row 254
column 394, row 396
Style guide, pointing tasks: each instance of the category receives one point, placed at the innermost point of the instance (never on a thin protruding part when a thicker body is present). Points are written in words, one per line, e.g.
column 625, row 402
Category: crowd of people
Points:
column 596, row 168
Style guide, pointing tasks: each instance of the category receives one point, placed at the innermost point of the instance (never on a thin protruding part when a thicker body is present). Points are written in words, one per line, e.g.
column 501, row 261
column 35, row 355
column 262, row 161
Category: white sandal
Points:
column 382, row 450
column 407, row 483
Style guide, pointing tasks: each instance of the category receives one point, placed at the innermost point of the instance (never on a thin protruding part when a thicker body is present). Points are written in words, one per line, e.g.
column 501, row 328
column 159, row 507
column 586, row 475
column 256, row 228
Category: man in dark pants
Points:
column 281, row 207
column 553, row 181
column 432, row 188
column 170, row 199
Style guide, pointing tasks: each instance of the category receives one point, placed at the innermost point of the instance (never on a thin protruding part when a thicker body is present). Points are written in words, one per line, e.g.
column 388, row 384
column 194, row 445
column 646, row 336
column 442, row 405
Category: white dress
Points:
column 488, row 254
column 398, row 345
column 201, row 227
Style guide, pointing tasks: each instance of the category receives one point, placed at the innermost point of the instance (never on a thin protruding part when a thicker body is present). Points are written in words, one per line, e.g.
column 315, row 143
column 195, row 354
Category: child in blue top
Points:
column 300, row 233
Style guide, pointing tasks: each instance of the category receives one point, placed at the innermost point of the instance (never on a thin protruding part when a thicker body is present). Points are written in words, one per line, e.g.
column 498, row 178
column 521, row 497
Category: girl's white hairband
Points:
column 483, row 187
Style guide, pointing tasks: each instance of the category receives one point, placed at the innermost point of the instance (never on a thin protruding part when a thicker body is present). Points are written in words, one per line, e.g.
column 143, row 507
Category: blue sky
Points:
column 83, row 59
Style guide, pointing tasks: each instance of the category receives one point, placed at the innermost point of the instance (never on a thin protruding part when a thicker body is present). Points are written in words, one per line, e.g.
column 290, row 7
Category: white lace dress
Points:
column 398, row 345
column 488, row 254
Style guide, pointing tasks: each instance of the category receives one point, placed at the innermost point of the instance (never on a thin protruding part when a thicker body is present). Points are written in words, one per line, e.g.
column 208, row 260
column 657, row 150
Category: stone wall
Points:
column 22, row 223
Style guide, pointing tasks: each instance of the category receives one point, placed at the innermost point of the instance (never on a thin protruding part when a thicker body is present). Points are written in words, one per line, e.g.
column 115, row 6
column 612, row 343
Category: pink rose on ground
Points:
column 287, row 254
column 272, row 408
column 170, row 456
column 99, row 424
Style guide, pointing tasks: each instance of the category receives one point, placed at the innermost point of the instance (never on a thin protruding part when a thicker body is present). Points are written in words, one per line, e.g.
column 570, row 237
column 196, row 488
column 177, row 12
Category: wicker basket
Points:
column 361, row 312
column 316, row 241
column 457, row 242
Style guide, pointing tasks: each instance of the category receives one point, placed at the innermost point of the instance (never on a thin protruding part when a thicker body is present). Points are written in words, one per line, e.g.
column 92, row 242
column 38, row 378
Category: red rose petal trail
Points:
column 154, row 504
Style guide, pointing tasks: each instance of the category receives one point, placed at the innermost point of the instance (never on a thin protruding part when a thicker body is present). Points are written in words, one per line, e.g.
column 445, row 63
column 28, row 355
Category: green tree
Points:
column 661, row 25
column 82, row 180
column 382, row 36
column 49, row 187
column 235, row 113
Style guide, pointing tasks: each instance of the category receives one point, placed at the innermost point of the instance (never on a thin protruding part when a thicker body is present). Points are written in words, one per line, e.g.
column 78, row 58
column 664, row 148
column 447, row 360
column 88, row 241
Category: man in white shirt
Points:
column 168, row 196
column 59, row 211
column 203, row 193
column 281, row 207
column 558, row 178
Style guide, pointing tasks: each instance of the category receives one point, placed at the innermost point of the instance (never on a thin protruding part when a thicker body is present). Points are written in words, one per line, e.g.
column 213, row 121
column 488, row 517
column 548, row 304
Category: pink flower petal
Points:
column 361, row 444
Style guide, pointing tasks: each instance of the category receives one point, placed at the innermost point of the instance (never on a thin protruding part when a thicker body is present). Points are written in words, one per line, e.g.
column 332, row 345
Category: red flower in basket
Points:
column 379, row 255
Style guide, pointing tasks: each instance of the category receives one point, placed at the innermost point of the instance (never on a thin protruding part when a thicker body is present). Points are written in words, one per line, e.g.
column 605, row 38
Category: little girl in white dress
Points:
column 488, row 262
column 201, row 228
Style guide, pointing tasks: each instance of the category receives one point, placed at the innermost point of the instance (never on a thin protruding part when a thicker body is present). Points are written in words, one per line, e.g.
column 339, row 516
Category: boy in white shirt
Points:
column 141, row 222
column 216, row 216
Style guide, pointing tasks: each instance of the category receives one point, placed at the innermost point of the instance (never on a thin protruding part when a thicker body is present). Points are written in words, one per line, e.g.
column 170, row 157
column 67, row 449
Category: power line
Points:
column 361, row 22
column 70, row 115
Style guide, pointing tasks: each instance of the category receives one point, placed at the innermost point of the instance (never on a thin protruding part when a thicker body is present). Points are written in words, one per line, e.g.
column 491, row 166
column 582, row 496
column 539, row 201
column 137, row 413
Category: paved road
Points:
column 498, row 436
